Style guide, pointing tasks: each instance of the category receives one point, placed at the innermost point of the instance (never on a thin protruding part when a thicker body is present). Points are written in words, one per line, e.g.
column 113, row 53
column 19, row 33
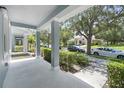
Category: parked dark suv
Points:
column 75, row 48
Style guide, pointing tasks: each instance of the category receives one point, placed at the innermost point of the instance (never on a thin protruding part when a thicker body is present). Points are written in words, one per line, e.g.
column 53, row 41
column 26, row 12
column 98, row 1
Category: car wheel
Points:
column 96, row 53
column 120, row 57
column 78, row 50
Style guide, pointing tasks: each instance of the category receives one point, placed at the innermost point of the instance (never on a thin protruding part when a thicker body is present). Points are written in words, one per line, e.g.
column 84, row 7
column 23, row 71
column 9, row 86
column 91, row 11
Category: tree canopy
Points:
column 96, row 20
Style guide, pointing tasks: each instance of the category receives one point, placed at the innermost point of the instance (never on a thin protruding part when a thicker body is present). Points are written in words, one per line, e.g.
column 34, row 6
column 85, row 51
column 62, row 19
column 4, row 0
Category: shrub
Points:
column 67, row 59
column 47, row 54
column 116, row 74
column 82, row 60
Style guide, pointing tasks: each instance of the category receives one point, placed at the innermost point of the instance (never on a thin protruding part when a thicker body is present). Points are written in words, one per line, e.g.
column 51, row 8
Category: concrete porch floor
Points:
column 36, row 73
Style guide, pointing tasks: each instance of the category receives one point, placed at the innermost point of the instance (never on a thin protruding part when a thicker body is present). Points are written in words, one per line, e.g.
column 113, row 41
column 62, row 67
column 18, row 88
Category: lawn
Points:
column 119, row 47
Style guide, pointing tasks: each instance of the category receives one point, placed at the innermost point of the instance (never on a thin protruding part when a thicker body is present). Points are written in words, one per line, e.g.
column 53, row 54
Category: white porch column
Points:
column 13, row 42
column 38, row 44
column 25, row 44
column 55, row 44
column 1, row 37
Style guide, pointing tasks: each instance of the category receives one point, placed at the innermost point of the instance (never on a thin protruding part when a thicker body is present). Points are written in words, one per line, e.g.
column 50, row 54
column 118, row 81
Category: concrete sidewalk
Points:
column 95, row 74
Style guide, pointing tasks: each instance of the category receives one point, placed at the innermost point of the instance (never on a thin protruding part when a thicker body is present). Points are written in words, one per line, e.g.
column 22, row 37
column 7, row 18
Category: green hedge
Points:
column 67, row 59
column 116, row 74
column 46, row 53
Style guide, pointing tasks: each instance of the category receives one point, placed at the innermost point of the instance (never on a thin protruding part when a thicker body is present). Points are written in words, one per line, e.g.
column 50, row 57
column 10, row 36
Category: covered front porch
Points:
column 35, row 71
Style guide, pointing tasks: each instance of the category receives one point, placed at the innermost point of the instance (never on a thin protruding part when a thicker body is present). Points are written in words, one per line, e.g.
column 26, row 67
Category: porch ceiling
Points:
column 29, row 15
column 39, row 16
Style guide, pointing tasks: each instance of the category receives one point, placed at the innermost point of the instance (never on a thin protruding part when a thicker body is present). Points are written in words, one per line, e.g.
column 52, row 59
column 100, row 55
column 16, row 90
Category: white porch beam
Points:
column 23, row 25
column 55, row 44
column 38, row 54
column 59, row 9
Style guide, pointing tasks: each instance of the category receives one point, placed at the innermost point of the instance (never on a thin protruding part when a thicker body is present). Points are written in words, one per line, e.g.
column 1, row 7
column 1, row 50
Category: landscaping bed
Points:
column 69, row 61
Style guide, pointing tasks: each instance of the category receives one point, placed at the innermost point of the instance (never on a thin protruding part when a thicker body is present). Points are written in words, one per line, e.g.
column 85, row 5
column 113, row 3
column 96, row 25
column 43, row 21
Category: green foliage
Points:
column 66, row 35
column 106, row 21
column 18, row 48
column 31, row 38
column 45, row 37
column 31, row 43
column 71, row 42
column 66, row 56
column 97, row 42
column 109, row 36
column 67, row 59
column 32, row 49
column 116, row 75
column 82, row 60
column 46, row 54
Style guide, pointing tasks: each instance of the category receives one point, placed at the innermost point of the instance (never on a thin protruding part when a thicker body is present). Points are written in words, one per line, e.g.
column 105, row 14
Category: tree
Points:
column 45, row 37
column 114, row 36
column 85, row 22
column 66, row 35
column 31, row 40
column 95, row 20
column 113, row 25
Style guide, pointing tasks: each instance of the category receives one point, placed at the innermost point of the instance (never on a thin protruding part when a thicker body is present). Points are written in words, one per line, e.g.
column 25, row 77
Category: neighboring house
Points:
column 81, row 40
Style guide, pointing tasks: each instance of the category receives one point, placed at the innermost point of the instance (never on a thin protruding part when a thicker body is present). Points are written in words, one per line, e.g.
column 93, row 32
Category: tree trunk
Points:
column 89, row 44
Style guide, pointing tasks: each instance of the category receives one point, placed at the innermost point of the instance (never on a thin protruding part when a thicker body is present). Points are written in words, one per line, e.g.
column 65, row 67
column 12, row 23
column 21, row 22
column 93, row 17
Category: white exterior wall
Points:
column 4, row 43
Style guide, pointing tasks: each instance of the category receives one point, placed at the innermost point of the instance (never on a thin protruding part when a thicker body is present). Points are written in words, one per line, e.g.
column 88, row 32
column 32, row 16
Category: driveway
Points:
column 95, row 74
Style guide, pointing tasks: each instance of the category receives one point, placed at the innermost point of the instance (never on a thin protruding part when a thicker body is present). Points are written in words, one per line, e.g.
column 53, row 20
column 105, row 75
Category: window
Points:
column 100, row 48
column 107, row 49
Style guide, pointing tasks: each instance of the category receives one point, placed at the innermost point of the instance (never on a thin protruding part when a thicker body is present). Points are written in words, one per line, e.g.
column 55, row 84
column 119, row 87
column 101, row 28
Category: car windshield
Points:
column 77, row 46
column 110, row 49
